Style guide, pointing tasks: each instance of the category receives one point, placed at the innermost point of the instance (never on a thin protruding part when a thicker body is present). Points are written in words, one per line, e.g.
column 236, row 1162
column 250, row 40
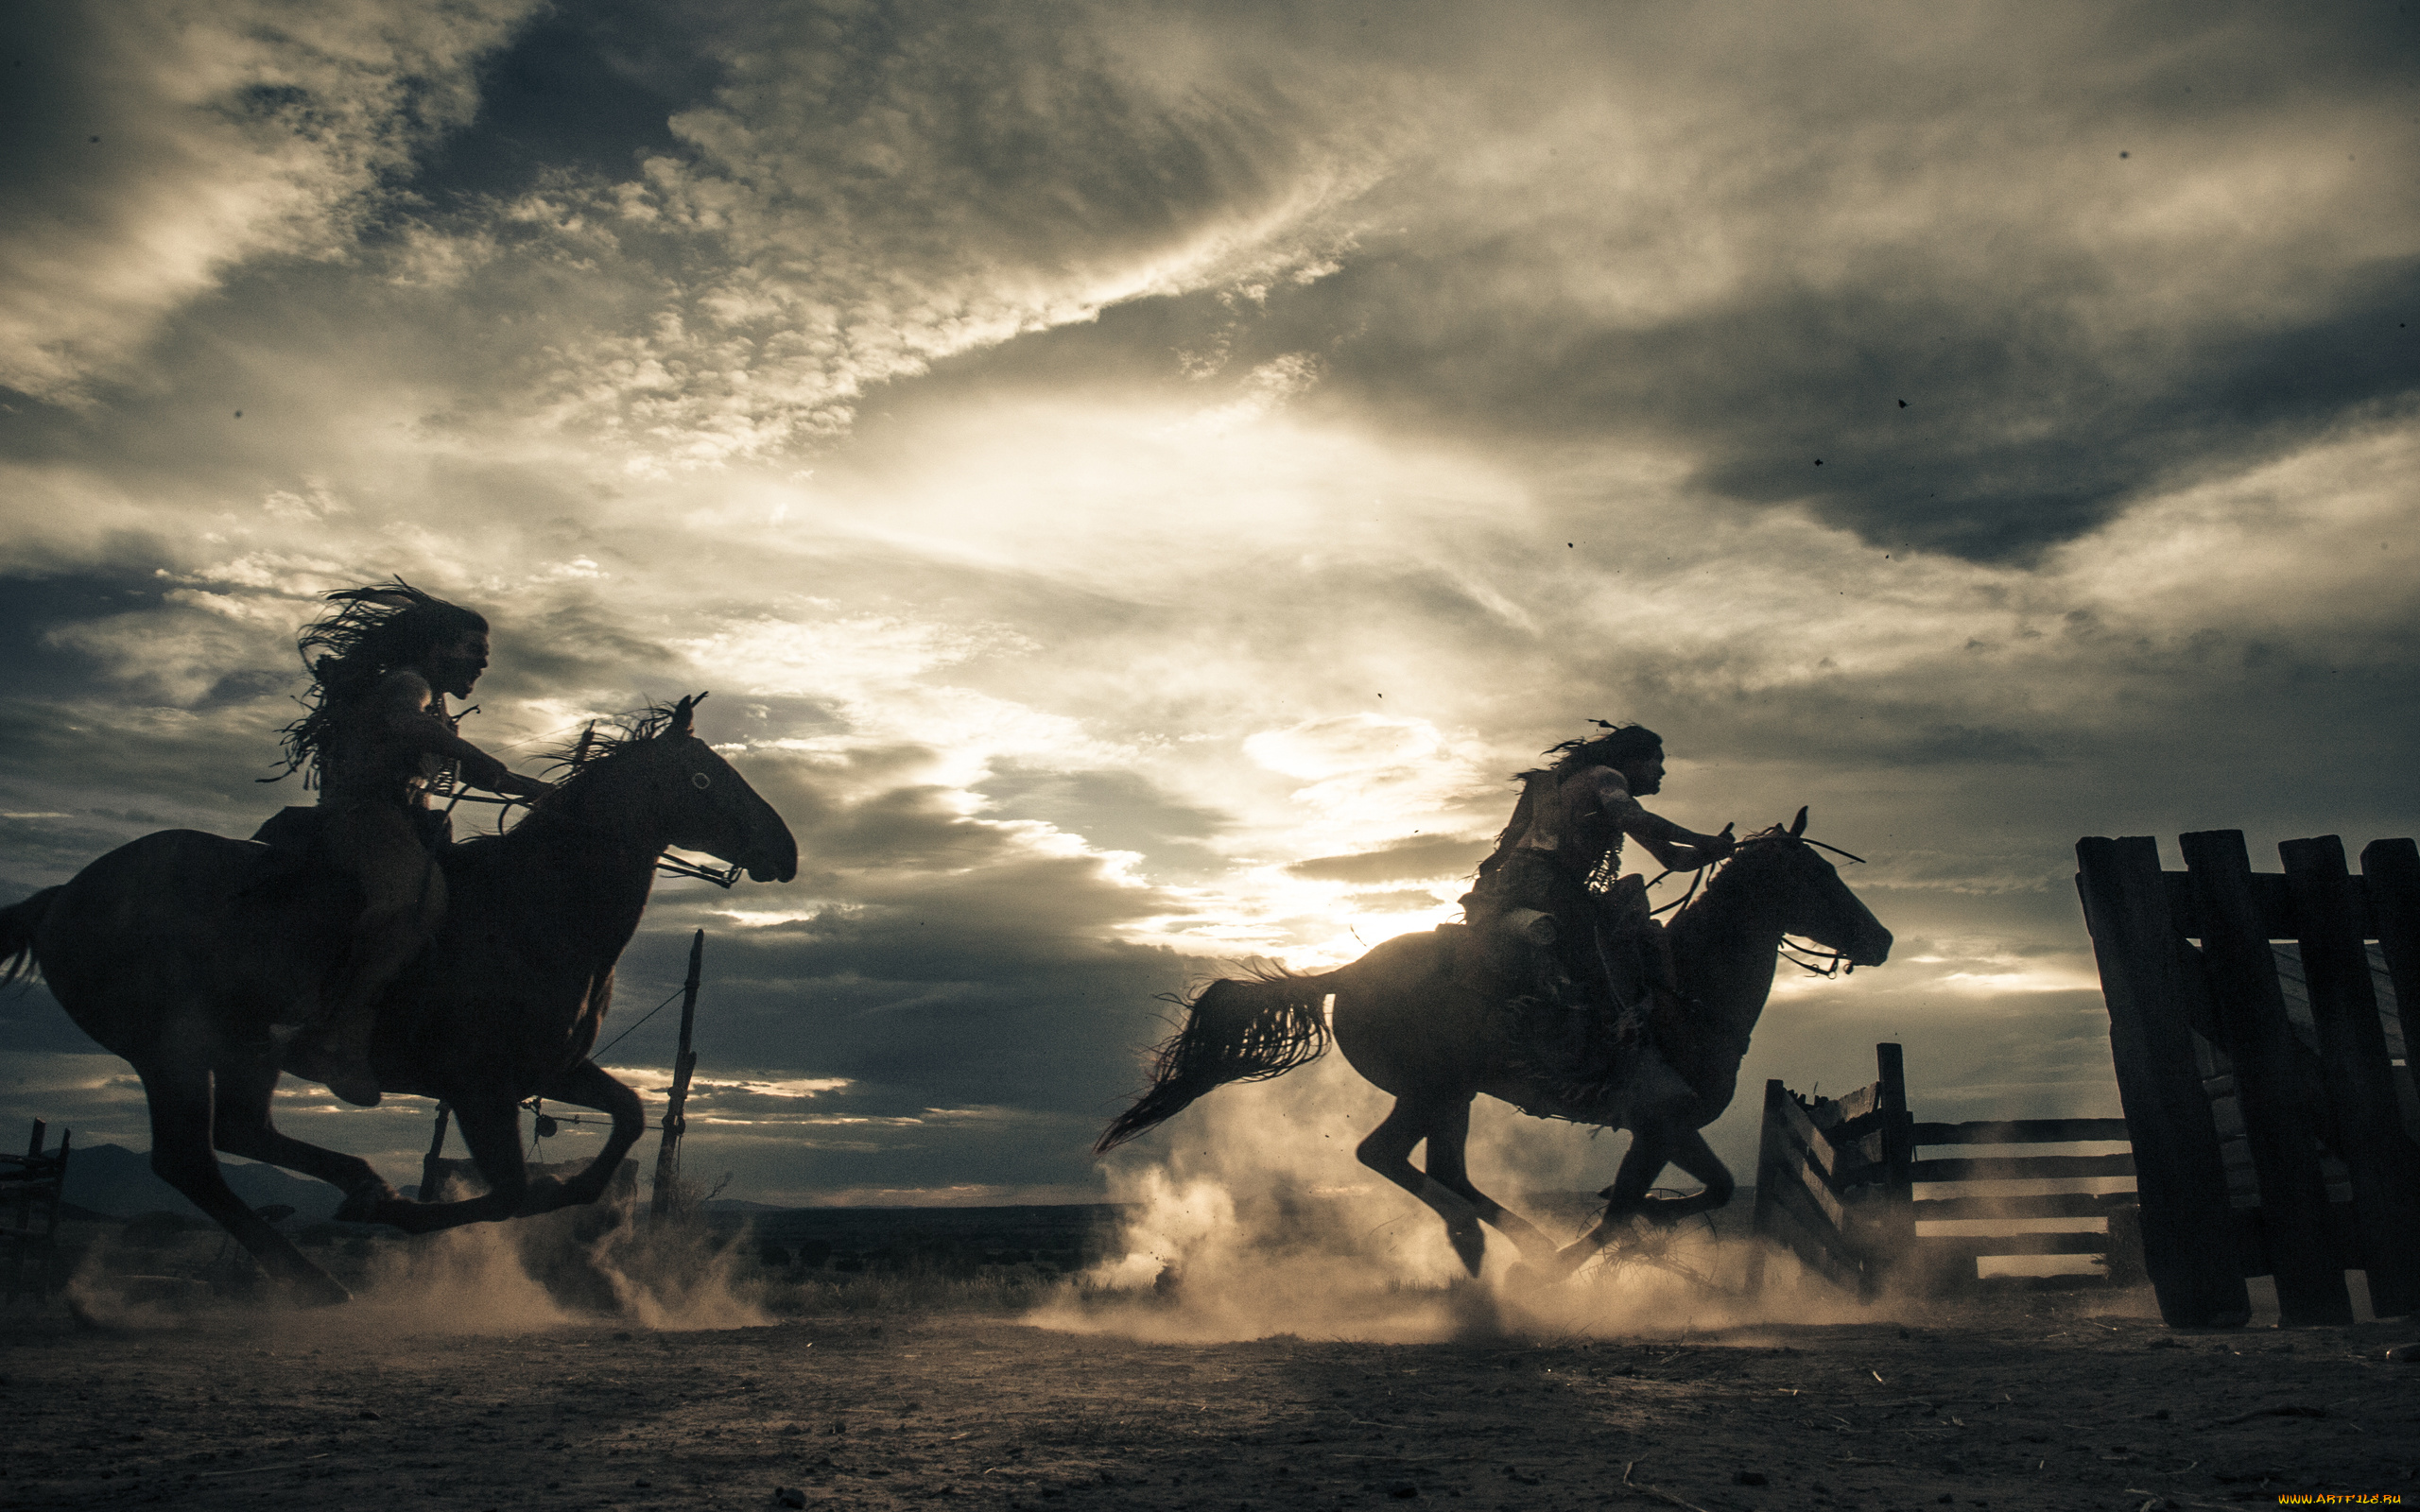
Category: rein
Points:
column 1806, row 957
column 668, row 865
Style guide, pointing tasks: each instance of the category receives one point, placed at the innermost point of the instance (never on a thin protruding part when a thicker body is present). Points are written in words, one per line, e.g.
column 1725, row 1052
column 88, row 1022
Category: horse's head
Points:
column 1806, row 892
column 663, row 776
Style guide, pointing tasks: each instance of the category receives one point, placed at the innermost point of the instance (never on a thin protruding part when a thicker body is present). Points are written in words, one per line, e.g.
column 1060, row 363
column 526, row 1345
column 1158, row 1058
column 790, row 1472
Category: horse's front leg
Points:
column 1652, row 1150
column 586, row 1085
column 492, row 1127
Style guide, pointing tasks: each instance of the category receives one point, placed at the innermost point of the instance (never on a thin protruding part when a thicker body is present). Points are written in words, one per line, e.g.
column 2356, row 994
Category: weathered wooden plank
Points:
column 2271, row 911
column 2021, row 1167
column 1840, row 1165
column 1771, row 1151
column 2023, row 1131
column 2378, row 1156
column 2094, row 1242
column 2390, row 875
column 2280, row 1114
column 1856, row 1129
column 2272, row 906
column 1860, row 1103
column 2020, row 1204
column 1826, row 1201
column 1795, row 1205
column 1821, row 1251
column 2188, row 1226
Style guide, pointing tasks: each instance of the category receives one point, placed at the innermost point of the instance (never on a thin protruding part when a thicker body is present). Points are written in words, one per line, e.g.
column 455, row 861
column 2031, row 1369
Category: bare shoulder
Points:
column 404, row 690
column 1608, row 785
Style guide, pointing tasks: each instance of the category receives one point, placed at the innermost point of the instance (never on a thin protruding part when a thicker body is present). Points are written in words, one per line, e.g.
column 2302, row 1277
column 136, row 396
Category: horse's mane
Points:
column 1713, row 878
column 602, row 738
column 608, row 735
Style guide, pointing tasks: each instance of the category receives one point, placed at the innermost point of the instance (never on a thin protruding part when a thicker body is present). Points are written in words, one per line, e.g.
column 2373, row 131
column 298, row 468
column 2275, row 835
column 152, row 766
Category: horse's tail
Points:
column 1235, row 1030
column 18, row 922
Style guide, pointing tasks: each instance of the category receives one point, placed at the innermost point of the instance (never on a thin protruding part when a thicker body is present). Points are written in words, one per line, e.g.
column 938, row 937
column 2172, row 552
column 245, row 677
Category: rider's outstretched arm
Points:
column 1672, row 847
column 404, row 702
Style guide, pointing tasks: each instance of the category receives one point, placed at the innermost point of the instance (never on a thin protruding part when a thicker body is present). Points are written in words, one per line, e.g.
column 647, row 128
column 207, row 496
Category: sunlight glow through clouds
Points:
column 1140, row 481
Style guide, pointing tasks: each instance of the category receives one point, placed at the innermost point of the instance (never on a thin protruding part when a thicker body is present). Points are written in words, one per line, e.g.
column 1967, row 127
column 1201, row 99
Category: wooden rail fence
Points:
column 2260, row 1023
column 32, row 1186
column 1836, row 1184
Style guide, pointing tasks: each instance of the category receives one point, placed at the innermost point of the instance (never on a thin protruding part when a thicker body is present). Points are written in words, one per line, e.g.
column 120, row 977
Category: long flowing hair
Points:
column 374, row 630
column 1616, row 745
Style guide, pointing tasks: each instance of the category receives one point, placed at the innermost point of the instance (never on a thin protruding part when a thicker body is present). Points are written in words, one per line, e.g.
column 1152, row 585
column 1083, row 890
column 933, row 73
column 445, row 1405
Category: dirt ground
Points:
column 2025, row 1402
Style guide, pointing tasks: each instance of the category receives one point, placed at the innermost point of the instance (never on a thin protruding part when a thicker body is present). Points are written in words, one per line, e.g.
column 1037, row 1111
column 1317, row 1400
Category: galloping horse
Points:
column 1408, row 1023
column 194, row 956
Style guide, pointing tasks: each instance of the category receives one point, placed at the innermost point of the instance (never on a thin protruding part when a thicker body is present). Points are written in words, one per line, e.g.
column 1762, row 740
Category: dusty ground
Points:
column 2027, row 1403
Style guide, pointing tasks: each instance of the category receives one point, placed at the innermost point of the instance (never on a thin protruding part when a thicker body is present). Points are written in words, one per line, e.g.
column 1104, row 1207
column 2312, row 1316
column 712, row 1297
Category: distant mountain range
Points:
column 113, row 1179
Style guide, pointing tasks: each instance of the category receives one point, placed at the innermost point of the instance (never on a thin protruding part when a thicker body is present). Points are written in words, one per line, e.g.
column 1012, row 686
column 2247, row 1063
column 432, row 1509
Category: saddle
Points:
column 293, row 832
column 1578, row 1035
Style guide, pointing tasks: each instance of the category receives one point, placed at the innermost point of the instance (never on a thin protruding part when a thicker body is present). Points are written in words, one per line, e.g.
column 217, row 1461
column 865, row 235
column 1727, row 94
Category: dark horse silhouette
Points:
column 1409, row 1024
column 192, row 955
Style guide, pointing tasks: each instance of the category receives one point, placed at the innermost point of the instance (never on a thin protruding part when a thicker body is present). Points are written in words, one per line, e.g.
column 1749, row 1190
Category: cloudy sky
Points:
column 1137, row 477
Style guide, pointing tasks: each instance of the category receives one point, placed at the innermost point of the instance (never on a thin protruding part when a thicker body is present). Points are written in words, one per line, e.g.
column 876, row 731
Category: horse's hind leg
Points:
column 1388, row 1151
column 242, row 1126
column 1651, row 1151
column 1447, row 1161
column 179, row 1095
column 1645, row 1160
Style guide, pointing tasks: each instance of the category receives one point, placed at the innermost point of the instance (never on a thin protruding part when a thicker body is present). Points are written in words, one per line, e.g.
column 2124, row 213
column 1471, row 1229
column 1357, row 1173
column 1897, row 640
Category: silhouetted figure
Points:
column 1413, row 1023
column 1559, row 922
column 192, row 955
column 377, row 736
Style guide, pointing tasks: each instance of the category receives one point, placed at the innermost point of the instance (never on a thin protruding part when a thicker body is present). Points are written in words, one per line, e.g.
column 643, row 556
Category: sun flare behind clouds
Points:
column 1137, row 482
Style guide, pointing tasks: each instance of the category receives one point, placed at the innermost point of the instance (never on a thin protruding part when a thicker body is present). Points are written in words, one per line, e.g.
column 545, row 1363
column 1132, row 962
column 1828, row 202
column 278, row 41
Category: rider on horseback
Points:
column 376, row 735
column 1554, row 880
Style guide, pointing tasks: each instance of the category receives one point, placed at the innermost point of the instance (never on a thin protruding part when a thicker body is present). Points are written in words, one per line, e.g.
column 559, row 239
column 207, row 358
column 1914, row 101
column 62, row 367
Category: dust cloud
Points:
column 1251, row 1218
column 570, row 1268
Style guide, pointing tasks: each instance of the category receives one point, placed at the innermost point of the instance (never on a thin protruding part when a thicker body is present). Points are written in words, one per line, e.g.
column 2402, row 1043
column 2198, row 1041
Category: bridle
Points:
column 723, row 877
column 1806, row 957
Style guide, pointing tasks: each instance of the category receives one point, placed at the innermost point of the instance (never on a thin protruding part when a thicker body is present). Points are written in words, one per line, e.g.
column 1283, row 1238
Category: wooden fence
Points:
column 2271, row 1110
column 31, row 1185
column 1836, row 1184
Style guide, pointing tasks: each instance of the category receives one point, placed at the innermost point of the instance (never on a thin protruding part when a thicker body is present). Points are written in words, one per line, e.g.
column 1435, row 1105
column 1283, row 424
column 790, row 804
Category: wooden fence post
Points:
column 432, row 1165
column 685, row 1060
column 1893, row 1215
column 2279, row 1117
column 2189, row 1232
column 2390, row 875
column 1772, row 1150
column 2368, row 1125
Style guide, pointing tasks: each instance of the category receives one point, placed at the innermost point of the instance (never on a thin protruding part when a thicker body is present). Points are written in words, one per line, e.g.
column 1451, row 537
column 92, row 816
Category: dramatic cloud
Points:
column 1137, row 480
